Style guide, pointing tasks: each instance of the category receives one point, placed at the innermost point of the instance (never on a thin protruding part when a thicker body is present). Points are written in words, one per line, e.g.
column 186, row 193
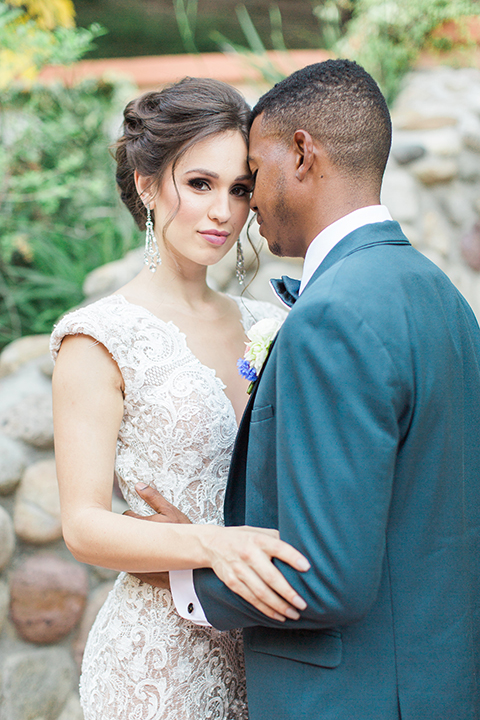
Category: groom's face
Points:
column 273, row 199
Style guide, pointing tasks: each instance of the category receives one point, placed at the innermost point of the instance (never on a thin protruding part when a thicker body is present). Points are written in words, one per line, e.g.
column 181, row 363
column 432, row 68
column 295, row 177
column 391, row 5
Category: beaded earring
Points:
column 240, row 271
column 151, row 257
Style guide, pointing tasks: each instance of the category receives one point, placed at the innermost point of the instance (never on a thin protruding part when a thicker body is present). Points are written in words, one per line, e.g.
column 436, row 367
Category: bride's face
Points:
column 210, row 202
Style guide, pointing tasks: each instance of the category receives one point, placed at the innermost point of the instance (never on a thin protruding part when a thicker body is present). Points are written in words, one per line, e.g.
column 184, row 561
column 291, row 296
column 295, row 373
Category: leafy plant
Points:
column 256, row 52
column 186, row 16
column 30, row 41
column 61, row 215
column 387, row 36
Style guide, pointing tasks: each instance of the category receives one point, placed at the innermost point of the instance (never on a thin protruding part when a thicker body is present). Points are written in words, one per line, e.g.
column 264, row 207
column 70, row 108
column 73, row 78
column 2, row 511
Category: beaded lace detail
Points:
column 142, row 660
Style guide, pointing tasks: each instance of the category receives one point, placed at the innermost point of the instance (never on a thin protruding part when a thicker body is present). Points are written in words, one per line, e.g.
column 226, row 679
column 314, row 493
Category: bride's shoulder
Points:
column 255, row 310
column 100, row 319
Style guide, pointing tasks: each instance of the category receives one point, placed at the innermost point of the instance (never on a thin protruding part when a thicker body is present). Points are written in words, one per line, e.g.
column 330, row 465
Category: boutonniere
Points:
column 261, row 336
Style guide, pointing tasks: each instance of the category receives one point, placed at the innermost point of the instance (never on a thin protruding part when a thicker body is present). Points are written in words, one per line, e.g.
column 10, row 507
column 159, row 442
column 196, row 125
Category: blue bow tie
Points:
column 287, row 289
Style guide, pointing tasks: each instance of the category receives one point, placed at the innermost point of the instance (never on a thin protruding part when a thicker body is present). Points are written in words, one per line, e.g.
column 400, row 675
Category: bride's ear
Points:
column 144, row 187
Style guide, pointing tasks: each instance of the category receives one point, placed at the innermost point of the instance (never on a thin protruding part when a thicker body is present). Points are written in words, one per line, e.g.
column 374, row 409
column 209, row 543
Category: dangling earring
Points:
column 240, row 271
column 151, row 257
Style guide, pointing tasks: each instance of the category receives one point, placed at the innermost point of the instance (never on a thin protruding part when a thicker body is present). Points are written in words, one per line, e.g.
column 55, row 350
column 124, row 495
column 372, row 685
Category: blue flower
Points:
column 245, row 370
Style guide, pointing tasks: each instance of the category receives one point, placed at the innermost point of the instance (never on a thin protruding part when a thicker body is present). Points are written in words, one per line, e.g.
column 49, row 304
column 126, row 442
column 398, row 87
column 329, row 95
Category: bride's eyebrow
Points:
column 210, row 173
column 202, row 171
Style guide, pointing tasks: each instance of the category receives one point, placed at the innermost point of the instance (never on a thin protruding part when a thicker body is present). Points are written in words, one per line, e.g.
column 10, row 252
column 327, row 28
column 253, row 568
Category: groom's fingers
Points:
column 153, row 498
column 160, row 580
column 165, row 511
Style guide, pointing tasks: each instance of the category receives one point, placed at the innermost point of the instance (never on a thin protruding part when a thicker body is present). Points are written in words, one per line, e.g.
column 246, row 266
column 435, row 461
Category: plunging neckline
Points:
column 182, row 335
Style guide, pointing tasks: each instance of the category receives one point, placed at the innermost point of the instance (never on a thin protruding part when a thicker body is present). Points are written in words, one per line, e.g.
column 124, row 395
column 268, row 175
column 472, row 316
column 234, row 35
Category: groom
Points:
column 360, row 441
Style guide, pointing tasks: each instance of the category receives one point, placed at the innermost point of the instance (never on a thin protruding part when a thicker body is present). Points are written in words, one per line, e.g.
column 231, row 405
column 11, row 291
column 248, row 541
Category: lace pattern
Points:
column 142, row 660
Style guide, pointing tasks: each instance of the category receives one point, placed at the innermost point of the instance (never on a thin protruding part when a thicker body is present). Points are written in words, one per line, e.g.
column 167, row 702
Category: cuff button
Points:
column 190, row 608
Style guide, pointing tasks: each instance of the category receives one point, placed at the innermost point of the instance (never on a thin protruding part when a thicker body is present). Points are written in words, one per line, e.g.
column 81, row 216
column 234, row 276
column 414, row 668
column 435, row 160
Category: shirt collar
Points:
column 332, row 234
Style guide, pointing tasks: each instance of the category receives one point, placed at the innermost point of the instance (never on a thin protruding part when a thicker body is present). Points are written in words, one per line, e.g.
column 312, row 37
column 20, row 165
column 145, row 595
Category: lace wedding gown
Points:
column 142, row 660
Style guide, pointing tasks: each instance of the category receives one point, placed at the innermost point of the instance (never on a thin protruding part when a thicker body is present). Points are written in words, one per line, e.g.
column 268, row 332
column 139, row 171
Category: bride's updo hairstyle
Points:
column 159, row 127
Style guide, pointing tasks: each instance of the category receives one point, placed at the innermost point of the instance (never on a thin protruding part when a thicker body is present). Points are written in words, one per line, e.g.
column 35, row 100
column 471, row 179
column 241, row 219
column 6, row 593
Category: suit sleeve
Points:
column 339, row 400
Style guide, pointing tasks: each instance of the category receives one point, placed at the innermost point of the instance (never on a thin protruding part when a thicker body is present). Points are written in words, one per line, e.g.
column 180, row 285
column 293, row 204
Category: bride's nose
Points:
column 220, row 208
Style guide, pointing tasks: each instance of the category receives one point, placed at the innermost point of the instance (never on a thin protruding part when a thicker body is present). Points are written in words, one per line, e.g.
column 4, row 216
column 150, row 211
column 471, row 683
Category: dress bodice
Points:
column 178, row 426
column 142, row 660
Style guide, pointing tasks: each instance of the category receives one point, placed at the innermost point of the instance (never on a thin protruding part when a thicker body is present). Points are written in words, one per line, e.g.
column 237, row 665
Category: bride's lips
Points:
column 215, row 237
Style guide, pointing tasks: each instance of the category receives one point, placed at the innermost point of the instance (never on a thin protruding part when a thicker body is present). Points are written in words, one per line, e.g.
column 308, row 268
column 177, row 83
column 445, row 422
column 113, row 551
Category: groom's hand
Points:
column 165, row 512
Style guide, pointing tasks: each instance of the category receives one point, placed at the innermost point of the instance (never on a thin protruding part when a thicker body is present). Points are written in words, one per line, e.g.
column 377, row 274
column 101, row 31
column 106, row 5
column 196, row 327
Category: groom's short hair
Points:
column 341, row 106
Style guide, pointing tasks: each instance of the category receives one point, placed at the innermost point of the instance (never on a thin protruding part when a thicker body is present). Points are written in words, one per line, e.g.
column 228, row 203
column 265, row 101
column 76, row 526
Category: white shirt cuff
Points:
column 185, row 598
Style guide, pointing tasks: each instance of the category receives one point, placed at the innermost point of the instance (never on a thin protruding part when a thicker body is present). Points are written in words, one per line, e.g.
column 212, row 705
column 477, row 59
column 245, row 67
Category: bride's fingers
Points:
column 268, row 540
column 268, row 584
column 244, row 591
column 247, row 560
column 253, row 588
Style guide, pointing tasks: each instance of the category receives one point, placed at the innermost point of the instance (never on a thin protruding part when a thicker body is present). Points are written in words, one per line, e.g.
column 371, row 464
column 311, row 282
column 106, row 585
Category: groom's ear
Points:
column 304, row 148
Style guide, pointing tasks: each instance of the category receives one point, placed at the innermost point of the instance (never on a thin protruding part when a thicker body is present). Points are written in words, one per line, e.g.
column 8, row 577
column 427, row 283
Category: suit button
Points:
column 190, row 608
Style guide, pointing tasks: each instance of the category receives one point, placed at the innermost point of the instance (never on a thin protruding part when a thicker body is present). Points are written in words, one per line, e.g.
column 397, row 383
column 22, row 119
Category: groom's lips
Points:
column 260, row 223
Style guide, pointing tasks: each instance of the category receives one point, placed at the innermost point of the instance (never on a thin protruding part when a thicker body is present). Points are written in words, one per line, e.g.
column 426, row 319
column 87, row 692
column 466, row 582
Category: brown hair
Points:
column 159, row 127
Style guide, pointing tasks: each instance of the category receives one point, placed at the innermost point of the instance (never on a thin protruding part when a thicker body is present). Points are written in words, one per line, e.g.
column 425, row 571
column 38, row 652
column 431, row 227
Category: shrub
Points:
column 61, row 215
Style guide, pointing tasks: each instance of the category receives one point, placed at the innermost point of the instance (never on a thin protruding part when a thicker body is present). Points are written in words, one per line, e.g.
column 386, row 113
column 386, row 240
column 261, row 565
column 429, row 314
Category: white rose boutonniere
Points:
column 261, row 336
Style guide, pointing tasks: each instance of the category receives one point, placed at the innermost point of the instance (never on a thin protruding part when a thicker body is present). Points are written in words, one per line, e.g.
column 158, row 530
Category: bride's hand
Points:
column 242, row 558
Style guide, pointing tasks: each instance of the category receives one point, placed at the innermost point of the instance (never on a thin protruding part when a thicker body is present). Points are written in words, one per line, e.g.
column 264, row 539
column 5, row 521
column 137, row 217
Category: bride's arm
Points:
column 88, row 410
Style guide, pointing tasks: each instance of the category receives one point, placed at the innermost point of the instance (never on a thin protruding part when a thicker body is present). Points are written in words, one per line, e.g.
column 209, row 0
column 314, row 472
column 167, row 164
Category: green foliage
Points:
column 186, row 20
column 333, row 17
column 256, row 52
column 384, row 36
column 26, row 46
column 148, row 27
column 387, row 36
column 61, row 215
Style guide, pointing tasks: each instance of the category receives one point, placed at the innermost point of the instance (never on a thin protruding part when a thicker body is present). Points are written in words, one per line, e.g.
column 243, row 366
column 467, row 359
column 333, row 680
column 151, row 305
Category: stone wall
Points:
column 48, row 600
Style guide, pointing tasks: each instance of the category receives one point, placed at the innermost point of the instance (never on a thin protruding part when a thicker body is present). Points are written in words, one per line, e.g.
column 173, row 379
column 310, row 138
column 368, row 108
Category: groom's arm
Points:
column 338, row 402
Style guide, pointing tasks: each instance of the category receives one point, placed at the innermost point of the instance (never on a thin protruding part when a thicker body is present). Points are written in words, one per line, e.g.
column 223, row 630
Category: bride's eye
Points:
column 199, row 184
column 241, row 191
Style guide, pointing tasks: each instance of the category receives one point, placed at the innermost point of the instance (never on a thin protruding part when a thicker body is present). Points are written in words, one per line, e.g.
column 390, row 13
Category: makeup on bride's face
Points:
column 204, row 207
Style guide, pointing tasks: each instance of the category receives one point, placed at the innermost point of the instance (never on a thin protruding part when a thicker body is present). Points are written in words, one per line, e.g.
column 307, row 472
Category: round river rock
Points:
column 48, row 597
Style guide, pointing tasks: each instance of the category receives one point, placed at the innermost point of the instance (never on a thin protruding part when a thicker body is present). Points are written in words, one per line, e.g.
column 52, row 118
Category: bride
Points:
column 146, row 387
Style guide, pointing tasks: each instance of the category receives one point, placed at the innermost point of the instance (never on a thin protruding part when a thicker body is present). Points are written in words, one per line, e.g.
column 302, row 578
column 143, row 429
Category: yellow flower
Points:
column 48, row 14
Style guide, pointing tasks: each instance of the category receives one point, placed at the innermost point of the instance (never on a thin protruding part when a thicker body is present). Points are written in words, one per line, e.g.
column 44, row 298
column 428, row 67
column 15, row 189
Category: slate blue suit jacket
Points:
column 361, row 444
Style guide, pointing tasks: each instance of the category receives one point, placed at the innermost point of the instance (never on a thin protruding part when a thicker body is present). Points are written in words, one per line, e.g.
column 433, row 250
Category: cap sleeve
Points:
column 98, row 320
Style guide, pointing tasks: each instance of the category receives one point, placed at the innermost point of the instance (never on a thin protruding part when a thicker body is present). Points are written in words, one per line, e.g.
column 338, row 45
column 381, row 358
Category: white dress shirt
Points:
column 326, row 240
column 181, row 581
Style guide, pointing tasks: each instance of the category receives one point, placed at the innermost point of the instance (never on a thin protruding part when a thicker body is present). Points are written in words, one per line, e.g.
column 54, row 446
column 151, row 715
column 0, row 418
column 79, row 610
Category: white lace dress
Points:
column 142, row 660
